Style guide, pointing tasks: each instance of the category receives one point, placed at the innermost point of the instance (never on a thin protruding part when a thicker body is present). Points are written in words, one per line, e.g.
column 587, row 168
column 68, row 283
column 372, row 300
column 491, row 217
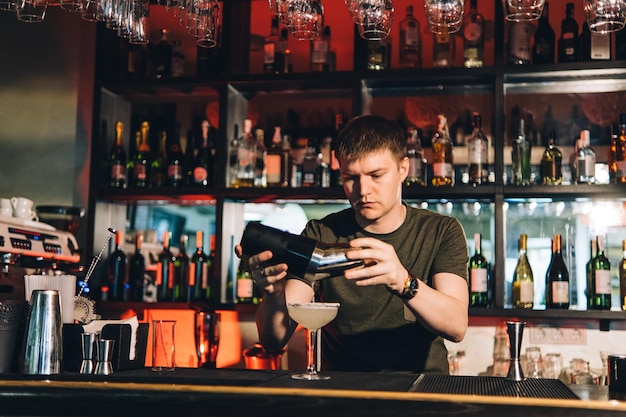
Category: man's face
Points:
column 373, row 184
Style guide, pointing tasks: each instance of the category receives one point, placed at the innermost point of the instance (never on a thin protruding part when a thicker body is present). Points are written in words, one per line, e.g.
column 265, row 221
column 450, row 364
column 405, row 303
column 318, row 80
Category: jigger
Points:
column 515, row 330
column 88, row 343
column 105, row 352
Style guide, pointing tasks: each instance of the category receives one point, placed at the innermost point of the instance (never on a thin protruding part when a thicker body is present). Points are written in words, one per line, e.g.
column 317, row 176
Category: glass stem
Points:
column 311, row 353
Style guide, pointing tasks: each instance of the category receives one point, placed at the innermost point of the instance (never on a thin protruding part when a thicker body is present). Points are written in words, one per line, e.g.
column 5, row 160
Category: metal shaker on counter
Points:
column 306, row 257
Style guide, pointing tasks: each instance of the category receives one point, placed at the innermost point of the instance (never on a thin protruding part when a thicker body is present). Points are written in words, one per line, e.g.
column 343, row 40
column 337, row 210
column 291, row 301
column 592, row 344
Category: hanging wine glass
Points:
column 305, row 19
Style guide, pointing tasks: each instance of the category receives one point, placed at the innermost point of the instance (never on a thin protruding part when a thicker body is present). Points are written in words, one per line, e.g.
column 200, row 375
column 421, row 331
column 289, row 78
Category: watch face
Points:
column 413, row 285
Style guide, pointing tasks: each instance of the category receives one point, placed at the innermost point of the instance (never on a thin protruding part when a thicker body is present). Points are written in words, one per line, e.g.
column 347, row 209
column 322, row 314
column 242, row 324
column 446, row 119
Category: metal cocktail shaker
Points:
column 306, row 257
column 43, row 339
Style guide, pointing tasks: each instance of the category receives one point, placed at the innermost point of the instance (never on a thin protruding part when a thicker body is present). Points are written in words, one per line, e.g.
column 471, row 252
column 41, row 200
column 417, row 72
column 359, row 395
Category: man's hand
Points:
column 268, row 278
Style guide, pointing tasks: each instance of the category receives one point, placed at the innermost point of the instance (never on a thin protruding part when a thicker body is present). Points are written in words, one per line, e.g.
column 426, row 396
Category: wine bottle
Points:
column 557, row 278
column 319, row 52
column 165, row 271
column 175, row 161
column 477, row 159
column 203, row 161
column 142, row 159
column 157, row 167
column 523, row 282
column 181, row 271
column 622, row 277
column 543, row 48
column 410, row 52
column 198, row 271
column 277, row 161
column 417, row 162
column 136, row 271
column 246, row 289
column 589, row 273
column 162, row 56
column 117, row 269
column 568, row 41
column 117, row 159
column 260, row 173
column 473, row 37
column 443, row 164
column 551, row 162
column 478, row 273
column 585, row 160
column 601, row 278
column 520, row 157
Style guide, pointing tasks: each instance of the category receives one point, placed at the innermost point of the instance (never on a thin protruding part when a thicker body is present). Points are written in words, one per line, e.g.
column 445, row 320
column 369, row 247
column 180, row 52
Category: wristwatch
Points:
column 411, row 285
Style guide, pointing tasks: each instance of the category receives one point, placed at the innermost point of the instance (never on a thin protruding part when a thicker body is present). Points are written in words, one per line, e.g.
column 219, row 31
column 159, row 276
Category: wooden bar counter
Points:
column 237, row 392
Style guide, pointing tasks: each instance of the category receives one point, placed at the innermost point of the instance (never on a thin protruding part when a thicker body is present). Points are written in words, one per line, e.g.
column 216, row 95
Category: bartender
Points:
column 396, row 311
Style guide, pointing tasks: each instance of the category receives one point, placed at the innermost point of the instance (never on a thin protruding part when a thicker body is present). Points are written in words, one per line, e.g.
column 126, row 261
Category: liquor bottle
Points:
column 246, row 156
column 520, row 157
column 478, row 274
column 165, row 271
column 137, row 65
column 157, row 167
column 443, row 168
column 543, row 48
column 246, row 289
column 443, row 49
column 319, row 52
column 594, row 46
column 620, row 151
column 473, row 37
column 551, row 162
column 178, row 60
column 117, row 160
column 477, row 159
column 310, row 166
column 277, row 161
column 585, row 160
column 622, row 277
column 273, row 53
column 601, row 278
column 417, row 162
column 410, row 52
column 117, row 269
column 142, row 159
column 567, row 50
column 198, row 271
column 593, row 248
column 379, row 54
column 175, row 162
column 211, row 287
column 162, row 57
column 260, row 173
column 181, row 271
column 519, row 43
column 324, row 162
column 203, row 161
column 136, row 271
column 557, row 278
column 335, row 171
column 612, row 154
column 523, row 282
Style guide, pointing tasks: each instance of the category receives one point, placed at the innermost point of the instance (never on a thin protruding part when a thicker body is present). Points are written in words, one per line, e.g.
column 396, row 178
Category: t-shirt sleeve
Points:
column 452, row 255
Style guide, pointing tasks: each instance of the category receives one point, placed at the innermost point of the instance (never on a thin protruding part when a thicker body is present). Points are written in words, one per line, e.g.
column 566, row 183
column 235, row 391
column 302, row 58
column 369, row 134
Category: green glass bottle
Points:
column 589, row 273
column 601, row 278
column 181, row 272
column 478, row 268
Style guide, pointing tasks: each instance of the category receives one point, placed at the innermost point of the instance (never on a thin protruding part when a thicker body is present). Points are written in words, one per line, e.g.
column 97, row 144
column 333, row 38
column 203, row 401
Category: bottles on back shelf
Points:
column 142, row 159
column 417, row 162
column 523, row 282
column 117, row 270
column 477, row 155
column 199, row 289
column 273, row 50
column 519, row 43
column 157, row 167
column 473, row 37
column 443, row 164
column 319, row 54
column 246, row 157
column 585, row 162
column 619, row 169
column 310, row 166
column 622, row 278
column 136, row 272
column 567, row 50
column 178, row 60
column 410, row 45
column 162, row 56
column 175, row 168
column 551, row 162
column 557, row 278
column 181, row 271
column 478, row 275
column 543, row 48
column 260, row 173
column 277, row 161
column 600, row 278
column 520, row 157
column 202, row 172
column 379, row 54
column 165, row 271
column 117, row 160
column 443, row 50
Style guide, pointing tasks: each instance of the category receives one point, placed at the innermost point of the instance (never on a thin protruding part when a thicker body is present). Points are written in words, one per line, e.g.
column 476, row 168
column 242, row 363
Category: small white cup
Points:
column 6, row 209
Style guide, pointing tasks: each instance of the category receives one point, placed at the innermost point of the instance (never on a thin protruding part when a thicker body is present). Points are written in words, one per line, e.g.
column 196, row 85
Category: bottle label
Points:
column 472, row 32
column 319, row 52
column 527, row 292
column 200, row 174
column 411, row 36
column 560, row 292
column 140, row 172
column 442, row 169
column 175, row 172
column 603, row 282
column 118, row 172
column 416, row 167
column 272, row 168
column 244, row 288
column 478, row 280
column 621, row 168
column 475, row 152
column 269, row 53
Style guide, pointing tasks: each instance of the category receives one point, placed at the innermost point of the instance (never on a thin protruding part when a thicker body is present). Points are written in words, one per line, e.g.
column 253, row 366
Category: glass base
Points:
column 310, row 376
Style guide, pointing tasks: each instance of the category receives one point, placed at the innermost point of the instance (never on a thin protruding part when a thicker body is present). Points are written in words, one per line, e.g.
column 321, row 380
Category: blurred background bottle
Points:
column 477, row 156
column 165, row 271
column 181, row 271
column 622, row 278
column 410, row 45
column 443, row 49
column 142, row 158
column 601, row 278
column 442, row 159
column 551, row 163
column 198, row 271
column 568, row 41
column 543, row 48
column 417, row 162
column 473, row 37
column 478, row 275
column 523, row 281
column 520, row 157
column 117, row 159
column 557, row 278
column 117, row 270
column 136, row 272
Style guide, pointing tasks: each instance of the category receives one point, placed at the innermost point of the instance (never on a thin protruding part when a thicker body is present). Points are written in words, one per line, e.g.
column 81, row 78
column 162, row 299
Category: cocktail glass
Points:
column 313, row 316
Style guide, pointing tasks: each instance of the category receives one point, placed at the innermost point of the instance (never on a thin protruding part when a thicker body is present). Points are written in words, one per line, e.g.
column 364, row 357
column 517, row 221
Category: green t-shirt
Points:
column 374, row 331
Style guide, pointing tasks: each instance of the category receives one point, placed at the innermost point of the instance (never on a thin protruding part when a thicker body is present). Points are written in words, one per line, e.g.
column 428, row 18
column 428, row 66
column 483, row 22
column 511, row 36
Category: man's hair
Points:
column 367, row 134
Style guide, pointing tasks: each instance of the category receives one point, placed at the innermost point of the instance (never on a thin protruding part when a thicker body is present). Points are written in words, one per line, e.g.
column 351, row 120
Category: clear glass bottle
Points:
column 443, row 163
column 551, row 162
column 543, row 47
column 277, row 161
column 410, row 52
column 585, row 160
column 417, row 162
column 246, row 157
column 568, row 41
column 523, row 281
column 601, row 278
column 319, row 52
column 443, row 50
column 117, row 159
column 260, row 173
column 520, row 157
column 477, row 156
column 473, row 37
column 478, row 275
column 557, row 278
